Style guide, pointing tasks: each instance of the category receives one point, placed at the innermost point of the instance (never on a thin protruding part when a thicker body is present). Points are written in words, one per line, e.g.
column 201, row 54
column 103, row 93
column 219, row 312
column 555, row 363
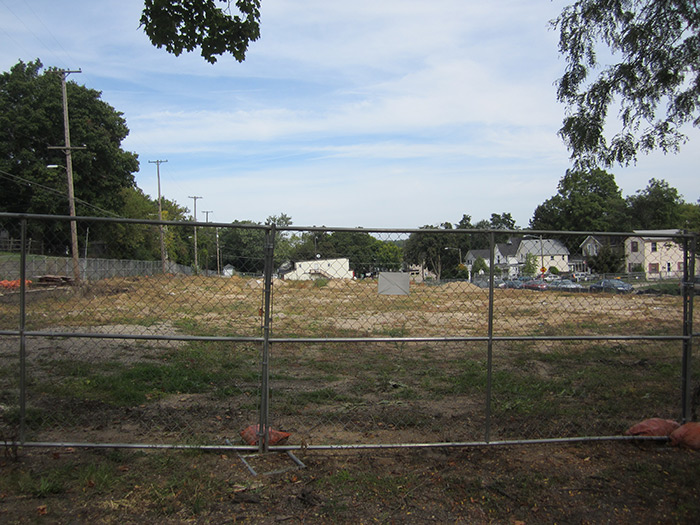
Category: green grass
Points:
column 197, row 368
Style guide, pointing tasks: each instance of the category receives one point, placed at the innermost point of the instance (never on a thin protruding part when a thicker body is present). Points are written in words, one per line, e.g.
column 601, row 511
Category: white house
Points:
column 549, row 253
column 655, row 253
column 319, row 269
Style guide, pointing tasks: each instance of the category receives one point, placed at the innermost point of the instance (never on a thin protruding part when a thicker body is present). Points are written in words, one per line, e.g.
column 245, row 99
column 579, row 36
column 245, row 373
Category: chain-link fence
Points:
column 341, row 337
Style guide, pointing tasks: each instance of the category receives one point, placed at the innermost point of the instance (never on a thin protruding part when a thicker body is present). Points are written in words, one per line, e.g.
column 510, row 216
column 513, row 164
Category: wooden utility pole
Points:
column 196, row 260
column 69, row 172
column 206, row 219
column 163, row 255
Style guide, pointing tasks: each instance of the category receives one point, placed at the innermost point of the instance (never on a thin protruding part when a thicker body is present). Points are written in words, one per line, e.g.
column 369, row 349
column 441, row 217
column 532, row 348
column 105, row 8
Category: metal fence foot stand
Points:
column 268, row 458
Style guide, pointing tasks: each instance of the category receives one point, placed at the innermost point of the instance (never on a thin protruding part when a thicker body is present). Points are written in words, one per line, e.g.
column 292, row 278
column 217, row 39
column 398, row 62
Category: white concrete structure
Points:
column 320, row 269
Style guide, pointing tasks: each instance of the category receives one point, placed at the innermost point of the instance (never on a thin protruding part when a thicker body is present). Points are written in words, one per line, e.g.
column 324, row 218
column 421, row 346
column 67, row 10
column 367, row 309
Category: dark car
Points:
column 565, row 284
column 611, row 285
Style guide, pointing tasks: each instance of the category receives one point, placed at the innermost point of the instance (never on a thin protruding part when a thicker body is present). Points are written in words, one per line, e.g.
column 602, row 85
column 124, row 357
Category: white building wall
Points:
column 320, row 269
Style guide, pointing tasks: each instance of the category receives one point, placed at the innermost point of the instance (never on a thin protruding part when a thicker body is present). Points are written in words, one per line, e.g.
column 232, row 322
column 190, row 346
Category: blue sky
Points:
column 391, row 114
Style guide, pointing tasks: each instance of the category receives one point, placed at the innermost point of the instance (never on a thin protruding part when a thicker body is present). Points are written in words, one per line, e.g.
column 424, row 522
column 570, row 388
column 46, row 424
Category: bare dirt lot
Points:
column 83, row 387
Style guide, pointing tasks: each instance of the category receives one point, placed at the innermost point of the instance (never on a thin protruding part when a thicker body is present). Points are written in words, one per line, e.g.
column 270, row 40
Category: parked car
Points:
column 513, row 283
column 484, row 283
column 611, row 285
column 536, row 284
column 565, row 284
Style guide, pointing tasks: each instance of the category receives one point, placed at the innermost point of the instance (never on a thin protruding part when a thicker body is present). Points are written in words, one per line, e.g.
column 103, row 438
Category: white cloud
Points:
column 384, row 114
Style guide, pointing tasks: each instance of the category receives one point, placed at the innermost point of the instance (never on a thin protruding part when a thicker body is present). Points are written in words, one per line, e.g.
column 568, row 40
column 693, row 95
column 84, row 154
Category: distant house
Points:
column 511, row 256
column 549, row 253
column 591, row 245
column 318, row 269
column 473, row 256
column 655, row 253
column 419, row 273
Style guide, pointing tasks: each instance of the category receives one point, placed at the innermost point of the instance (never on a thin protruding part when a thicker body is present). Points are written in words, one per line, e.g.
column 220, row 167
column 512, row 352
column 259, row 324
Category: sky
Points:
column 391, row 114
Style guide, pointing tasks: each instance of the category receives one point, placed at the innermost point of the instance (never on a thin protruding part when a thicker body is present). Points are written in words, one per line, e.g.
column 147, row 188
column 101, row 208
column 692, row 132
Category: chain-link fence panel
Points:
column 388, row 392
column 119, row 350
column 420, row 336
column 373, row 285
column 134, row 391
column 555, row 389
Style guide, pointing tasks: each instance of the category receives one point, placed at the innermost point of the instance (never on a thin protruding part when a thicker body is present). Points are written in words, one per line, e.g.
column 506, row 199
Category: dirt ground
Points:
column 587, row 483
column 594, row 482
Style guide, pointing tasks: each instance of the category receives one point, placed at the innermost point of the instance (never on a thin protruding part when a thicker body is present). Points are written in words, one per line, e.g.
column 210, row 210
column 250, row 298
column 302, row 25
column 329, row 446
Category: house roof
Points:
column 484, row 254
column 545, row 246
column 509, row 248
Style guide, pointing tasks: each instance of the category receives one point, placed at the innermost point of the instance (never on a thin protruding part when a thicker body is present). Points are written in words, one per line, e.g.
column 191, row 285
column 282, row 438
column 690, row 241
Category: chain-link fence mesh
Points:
column 418, row 336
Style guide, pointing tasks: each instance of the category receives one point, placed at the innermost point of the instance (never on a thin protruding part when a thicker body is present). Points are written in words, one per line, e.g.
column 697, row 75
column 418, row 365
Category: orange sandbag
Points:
column 687, row 436
column 653, row 427
column 277, row 437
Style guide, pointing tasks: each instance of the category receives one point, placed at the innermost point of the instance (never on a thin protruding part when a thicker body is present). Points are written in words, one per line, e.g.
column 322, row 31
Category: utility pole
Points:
column 69, row 172
column 163, row 256
column 218, row 253
column 206, row 219
column 196, row 260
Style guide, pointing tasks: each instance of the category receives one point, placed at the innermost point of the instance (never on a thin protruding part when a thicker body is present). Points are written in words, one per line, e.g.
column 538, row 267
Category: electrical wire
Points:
column 16, row 178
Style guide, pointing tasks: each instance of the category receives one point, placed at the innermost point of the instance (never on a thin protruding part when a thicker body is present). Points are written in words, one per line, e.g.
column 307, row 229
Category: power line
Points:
column 16, row 178
column 29, row 29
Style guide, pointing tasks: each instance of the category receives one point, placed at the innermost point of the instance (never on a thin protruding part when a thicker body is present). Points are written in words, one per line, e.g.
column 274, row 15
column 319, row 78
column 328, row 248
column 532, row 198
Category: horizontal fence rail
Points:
column 339, row 337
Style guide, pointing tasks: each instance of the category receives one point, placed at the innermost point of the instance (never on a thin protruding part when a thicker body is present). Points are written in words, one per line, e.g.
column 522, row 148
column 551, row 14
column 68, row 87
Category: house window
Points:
column 668, row 267
column 653, row 247
column 635, row 247
column 680, row 266
column 551, row 257
column 653, row 267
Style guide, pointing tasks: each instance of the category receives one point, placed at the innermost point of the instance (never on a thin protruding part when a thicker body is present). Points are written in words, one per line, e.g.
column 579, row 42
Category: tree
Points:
column 284, row 241
column 428, row 249
column 184, row 25
column 608, row 260
column 690, row 217
column 530, row 267
column 480, row 266
column 136, row 241
column 658, row 206
column 178, row 242
column 482, row 241
column 243, row 247
column 31, row 120
column 655, row 80
column 585, row 201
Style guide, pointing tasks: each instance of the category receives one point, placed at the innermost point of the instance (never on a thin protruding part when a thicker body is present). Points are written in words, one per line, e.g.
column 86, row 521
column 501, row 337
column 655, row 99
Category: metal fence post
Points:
column 688, row 291
column 489, row 366
column 22, row 337
column 263, row 428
